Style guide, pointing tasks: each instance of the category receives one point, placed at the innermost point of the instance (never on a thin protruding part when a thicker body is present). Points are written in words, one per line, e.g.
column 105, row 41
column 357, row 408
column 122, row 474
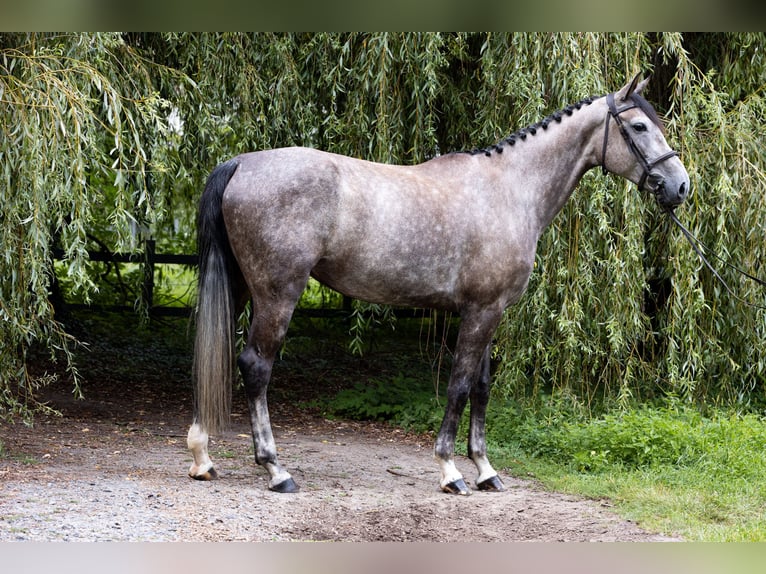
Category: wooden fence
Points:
column 149, row 259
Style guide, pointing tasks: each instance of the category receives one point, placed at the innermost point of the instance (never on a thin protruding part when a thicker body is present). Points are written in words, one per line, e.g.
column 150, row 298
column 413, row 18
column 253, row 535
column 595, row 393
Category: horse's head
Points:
column 635, row 147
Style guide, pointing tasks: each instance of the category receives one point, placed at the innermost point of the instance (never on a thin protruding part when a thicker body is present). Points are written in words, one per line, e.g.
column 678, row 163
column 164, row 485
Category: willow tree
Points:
column 620, row 307
column 117, row 132
column 81, row 129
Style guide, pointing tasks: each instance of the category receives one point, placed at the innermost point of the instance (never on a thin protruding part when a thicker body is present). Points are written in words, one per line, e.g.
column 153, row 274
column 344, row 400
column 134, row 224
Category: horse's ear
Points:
column 634, row 87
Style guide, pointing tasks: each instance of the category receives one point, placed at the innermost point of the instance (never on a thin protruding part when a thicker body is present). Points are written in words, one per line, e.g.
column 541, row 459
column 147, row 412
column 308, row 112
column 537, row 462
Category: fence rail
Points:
column 150, row 258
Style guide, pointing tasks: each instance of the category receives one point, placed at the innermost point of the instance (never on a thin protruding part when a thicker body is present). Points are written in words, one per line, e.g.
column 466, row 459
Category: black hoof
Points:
column 286, row 486
column 210, row 474
column 457, row 487
column 493, row 484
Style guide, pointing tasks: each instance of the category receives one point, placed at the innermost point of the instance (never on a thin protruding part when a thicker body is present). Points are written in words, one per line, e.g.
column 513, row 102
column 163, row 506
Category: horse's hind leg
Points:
column 477, row 444
column 268, row 328
column 202, row 467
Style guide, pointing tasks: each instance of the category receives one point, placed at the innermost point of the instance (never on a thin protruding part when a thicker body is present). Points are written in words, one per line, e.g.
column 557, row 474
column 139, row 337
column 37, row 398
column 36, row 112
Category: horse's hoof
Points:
column 493, row 484
column 287, row 486
column 209, row 474
column 457, row 487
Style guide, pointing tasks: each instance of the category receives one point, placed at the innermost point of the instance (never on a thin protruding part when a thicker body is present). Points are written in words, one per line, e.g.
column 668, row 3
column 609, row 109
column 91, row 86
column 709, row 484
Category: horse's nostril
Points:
column 682, row 191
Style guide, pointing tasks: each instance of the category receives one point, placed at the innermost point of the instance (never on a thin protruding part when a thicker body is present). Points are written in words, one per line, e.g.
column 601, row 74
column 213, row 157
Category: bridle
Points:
column 613, row 112
column 647, row 165
column 699, row 247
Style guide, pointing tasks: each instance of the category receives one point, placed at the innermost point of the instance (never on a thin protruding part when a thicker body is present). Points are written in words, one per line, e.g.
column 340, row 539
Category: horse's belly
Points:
column 412, row 287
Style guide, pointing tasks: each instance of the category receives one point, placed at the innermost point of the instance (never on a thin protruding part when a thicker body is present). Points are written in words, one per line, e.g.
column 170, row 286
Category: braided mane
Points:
column 532, row 130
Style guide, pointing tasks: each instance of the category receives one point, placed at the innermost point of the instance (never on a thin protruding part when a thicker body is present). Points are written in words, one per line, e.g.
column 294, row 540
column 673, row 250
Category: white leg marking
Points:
column 485, row 469
column 450, row 473
column 277, row 474
column 196, row 440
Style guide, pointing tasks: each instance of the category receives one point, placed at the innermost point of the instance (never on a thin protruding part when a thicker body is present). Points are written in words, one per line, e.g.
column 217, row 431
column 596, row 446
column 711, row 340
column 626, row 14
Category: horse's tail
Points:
column 213, row 368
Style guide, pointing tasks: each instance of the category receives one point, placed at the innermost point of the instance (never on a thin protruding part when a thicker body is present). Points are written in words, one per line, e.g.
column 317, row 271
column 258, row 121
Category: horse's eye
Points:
column 639, row 127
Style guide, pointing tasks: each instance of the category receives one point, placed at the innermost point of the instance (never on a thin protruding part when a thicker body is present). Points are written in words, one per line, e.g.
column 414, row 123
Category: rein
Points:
column 699, row 247
column 635, row 150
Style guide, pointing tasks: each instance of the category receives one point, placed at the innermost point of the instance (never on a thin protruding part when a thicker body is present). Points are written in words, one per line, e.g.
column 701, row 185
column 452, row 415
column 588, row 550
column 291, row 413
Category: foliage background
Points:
column 112, row 135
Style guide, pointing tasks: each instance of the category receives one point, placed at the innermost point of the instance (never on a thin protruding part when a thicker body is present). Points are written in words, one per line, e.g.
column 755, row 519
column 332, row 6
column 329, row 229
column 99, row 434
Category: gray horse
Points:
column 457, row 232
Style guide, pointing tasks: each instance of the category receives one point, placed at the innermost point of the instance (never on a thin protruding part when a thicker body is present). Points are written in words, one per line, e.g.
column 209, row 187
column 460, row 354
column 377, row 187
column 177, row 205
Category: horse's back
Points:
column 304, row 187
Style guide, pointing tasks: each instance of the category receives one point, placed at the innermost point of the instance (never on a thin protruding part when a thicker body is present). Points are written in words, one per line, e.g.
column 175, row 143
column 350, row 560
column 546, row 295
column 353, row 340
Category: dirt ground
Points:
column 113, row 467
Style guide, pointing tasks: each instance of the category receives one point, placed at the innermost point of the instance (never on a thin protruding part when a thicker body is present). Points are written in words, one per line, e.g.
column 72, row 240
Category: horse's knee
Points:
column 457, row 396
column 480, row 392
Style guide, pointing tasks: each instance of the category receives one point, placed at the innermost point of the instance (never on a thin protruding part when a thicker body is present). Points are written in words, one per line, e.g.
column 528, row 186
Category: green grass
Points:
column 668, row 467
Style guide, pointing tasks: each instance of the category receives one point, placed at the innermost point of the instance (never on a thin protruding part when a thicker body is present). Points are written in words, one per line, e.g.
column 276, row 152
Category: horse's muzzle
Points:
column 668, row 194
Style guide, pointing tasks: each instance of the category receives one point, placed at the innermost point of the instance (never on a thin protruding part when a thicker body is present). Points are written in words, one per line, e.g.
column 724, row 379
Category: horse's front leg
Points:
column 477, row 444
column 473, row 339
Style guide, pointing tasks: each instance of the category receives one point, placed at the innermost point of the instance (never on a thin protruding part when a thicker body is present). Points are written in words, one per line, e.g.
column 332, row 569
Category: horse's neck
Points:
column 553, row 161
